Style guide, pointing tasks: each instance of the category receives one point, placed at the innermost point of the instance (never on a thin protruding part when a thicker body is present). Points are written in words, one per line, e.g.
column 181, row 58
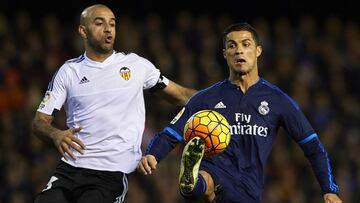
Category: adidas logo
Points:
column 84, row 80
column 220, row 105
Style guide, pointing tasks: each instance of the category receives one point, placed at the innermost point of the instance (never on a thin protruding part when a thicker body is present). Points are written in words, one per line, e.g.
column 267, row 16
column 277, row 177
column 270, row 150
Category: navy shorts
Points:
column 70, row 184
column 229, row 189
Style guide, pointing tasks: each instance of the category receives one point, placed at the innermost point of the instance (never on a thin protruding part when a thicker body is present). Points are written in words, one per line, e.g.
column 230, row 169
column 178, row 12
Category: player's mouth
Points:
column 108, row 39
column 240, row 61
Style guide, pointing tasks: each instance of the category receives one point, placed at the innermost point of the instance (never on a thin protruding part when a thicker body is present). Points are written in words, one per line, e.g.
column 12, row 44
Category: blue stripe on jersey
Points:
column 174, row 133
column 152, row 141
column 51, row 83
column 283, row 93
column 308, row 138
column 333, row 187
column 76, row 60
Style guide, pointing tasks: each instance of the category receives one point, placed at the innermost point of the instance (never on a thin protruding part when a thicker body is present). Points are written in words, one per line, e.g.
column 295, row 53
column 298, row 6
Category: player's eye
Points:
column 231, row 46
column 246, row 44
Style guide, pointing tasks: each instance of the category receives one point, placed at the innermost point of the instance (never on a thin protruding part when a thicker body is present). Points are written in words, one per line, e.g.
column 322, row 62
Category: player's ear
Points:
column 224, row 53
column 258, row 51
column 82, row 31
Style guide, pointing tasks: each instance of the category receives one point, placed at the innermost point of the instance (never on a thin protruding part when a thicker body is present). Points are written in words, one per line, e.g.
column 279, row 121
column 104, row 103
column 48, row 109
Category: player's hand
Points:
column 331, row 198
column 147, row 164
column 64, row 140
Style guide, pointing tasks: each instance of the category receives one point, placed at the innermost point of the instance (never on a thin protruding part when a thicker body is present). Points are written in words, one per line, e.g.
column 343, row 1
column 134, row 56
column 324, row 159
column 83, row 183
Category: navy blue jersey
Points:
column 255, row 118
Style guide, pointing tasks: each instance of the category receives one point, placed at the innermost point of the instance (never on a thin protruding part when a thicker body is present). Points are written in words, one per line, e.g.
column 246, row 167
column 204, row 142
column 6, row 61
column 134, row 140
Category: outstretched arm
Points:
column 176, row 93
column 63, row 140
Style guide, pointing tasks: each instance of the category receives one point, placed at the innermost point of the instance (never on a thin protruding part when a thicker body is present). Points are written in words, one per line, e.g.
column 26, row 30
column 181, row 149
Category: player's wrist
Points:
column 151, row 155
column 327, row 192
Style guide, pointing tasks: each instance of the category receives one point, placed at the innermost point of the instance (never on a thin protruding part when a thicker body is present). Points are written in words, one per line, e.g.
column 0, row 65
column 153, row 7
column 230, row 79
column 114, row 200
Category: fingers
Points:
column 66, row 149
column 141, row 168
column 69, row 141
column 332, row 198
column 75, row 139
column 75, row 146
column 79, row 142
column 75, row 130
column 62, row 153
column 152, row 162
column 147, row 164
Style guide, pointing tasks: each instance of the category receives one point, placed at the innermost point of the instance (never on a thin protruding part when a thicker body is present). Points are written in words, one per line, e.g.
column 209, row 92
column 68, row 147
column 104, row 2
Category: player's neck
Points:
column 99, row 57
column 244, row 81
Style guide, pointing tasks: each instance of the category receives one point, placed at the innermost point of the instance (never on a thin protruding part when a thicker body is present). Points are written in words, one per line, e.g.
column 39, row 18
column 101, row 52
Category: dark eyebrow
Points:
column 101, row 18
column 230, row 40
column 247, row 39
column 244, row 40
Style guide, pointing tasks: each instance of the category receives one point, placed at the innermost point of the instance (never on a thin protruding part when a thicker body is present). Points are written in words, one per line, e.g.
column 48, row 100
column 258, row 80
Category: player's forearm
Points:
column 320, row 163
column 178, row 94
column 186, row 94
column 42, row 128
column 161, row 145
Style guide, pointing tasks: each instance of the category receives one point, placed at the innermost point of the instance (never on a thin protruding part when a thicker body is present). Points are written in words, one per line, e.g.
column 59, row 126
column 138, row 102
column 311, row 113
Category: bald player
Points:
column 102, row 94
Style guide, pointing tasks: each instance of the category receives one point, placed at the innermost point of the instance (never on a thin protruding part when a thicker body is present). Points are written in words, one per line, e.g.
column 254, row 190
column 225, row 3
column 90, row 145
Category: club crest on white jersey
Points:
column 125, row 73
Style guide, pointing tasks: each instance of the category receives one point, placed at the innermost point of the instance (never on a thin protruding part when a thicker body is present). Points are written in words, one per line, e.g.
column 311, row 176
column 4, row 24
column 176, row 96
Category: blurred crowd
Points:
column 316, row 61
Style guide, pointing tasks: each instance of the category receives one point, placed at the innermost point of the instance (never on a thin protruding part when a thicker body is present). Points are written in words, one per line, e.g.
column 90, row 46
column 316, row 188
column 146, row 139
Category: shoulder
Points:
column 209, row 91
column 65, row 69
column 131, row 57
column 75, row 60
column 278, row 93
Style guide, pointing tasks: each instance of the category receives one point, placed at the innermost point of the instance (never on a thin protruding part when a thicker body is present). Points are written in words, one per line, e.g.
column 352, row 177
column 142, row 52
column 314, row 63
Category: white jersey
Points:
column 106, row 100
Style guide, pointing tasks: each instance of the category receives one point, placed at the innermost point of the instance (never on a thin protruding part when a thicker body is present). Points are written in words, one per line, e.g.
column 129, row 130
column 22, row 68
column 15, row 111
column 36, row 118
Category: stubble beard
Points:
column 98, row 48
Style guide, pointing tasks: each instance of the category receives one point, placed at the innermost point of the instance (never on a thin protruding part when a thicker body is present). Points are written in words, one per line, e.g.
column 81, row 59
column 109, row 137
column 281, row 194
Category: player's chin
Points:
column 108, row 46
column 240, row 70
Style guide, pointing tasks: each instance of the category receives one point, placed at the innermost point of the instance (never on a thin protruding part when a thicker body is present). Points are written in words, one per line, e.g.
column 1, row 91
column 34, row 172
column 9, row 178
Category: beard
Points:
column 239, row 70
column 99, row 46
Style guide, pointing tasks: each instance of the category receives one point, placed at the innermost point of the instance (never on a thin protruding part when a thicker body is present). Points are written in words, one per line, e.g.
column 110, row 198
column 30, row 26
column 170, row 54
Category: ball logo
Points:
column 125, row 73
column 264, row 108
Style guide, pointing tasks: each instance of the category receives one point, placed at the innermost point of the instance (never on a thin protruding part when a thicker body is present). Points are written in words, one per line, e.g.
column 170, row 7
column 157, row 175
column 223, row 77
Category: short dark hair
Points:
column 241, row 27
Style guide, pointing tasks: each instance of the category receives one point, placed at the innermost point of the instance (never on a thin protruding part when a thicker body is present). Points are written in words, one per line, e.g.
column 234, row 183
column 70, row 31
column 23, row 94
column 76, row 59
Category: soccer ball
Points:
column 210, row 126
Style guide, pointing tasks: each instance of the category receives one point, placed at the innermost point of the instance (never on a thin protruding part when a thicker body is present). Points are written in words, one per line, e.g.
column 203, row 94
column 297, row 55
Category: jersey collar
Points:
column 97, row 64
column 254, row 86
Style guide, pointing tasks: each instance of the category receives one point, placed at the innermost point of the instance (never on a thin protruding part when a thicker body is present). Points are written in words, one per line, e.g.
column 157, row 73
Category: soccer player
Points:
column 255, row 109
column 102, row 93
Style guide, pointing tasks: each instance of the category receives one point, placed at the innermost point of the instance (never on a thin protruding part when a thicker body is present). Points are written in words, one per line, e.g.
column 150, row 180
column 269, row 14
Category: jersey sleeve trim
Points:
column 161, row 84
column 332, row 185
column 308, row 138
column 51, row 83
column 173, row 133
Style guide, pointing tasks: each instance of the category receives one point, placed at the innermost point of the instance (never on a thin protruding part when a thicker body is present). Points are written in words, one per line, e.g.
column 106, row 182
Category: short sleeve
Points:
column 55, row 94
column 152, row 74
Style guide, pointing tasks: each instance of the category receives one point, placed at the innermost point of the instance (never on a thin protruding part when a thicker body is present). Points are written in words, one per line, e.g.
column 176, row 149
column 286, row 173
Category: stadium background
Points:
column 311, row 50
